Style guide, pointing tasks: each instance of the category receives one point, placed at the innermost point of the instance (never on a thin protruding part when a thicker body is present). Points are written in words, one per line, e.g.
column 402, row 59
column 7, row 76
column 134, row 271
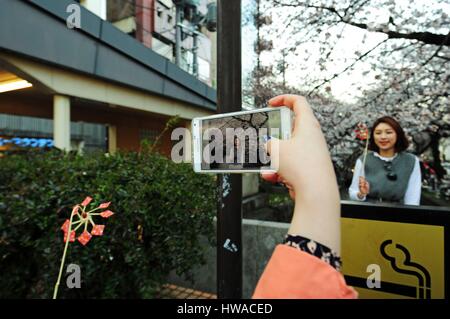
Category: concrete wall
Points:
column 250, row 184
column 60, row 81
column 259, row 238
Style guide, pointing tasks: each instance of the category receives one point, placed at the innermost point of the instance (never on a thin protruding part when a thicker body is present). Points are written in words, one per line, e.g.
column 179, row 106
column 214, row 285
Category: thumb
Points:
column 269, row 145
column 272, row 148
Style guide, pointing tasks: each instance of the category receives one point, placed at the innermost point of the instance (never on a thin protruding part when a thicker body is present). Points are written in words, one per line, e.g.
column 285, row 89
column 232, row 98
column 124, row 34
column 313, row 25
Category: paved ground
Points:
column 169, row 291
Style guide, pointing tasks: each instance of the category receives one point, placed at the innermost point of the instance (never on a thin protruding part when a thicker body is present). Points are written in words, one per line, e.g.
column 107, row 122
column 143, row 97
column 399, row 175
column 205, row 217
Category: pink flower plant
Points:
column 84, row 220
column 362, row 133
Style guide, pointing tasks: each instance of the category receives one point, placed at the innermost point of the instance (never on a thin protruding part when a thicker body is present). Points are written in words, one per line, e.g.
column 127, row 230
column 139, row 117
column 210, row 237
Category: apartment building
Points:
column 101, row 84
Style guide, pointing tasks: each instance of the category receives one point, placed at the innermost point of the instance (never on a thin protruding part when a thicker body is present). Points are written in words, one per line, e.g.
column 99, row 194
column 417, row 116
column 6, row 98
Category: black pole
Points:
column 229, row 211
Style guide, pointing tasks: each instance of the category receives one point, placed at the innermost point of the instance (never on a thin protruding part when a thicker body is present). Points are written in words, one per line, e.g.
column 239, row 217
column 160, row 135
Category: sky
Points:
column 340, row 87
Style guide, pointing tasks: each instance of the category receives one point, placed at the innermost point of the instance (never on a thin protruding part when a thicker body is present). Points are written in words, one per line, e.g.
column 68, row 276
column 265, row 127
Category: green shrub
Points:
column 162, row 209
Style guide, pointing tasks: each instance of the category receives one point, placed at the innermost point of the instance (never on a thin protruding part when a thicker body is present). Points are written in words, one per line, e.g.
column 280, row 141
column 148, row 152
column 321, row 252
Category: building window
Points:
column 204, row 70
column 18, row 133
column 120, row 9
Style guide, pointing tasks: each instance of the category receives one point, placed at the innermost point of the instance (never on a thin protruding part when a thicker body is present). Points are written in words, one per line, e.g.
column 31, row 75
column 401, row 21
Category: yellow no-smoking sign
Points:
column 394, row 258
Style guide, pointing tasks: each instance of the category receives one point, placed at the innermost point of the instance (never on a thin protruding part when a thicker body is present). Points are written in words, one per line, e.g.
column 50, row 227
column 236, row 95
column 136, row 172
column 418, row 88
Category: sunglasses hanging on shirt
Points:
column 392, row 176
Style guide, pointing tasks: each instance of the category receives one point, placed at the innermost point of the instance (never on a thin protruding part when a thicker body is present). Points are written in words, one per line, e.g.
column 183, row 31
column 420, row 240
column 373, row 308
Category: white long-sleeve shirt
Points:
column 413, row 190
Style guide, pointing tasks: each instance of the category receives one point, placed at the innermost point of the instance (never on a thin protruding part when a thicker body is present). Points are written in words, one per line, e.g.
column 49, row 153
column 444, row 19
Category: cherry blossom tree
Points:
column 392, row 58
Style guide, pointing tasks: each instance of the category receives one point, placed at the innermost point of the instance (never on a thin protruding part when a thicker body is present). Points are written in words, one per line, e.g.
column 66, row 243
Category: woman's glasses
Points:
column 390, row 174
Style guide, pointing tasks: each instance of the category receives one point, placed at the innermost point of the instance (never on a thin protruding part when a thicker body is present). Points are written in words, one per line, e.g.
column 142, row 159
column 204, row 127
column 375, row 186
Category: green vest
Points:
column 382, row 188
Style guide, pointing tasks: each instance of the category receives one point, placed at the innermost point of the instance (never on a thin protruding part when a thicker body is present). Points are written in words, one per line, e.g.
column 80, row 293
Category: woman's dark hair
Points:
column 402, row 142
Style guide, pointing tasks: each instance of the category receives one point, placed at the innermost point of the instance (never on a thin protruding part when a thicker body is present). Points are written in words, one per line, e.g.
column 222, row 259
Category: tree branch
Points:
column 359, row 6
column 425, row 37
column 387, row 88
column 442, row 57
column 348, row 67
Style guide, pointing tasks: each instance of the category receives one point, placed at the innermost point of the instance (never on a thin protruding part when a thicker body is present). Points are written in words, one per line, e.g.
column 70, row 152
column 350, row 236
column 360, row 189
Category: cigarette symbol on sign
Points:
column 409, row 268
column 402, row 265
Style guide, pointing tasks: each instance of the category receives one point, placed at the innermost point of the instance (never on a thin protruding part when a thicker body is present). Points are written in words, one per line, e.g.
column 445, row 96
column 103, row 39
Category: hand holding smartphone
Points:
column 234, row 142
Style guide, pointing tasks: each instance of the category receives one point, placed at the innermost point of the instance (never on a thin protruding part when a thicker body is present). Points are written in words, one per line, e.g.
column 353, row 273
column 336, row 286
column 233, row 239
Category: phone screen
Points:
column 237, row 142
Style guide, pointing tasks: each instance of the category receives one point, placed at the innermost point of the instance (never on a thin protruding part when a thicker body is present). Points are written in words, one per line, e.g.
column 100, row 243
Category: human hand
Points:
column 364, row 187
column 303, row 159
column 305, row 165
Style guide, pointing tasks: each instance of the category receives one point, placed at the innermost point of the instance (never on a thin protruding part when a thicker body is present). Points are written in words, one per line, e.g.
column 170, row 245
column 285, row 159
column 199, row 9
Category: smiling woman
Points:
column 389, row 173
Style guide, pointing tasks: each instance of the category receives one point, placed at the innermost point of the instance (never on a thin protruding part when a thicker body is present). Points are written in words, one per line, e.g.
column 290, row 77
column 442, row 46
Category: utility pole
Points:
column 178, row 35
column 229, row 210
column 257, row 98
column 196, row 20
column 258, row 57
column 258, row 26
column 195, row 52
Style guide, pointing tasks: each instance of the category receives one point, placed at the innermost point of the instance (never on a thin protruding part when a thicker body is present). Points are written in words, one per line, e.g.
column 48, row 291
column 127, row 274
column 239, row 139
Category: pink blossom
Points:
column 97, row 230
column 104, row 205
column 84, row 238
column 86, row 201
column 72, row 236
column 106, row 214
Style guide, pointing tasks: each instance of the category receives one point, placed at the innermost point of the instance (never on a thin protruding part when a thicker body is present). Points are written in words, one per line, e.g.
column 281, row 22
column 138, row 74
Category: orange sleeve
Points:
column 292, row 273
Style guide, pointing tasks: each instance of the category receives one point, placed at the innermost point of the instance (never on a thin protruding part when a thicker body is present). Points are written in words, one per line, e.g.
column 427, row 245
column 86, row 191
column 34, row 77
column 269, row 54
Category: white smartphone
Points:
column 234, row 142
